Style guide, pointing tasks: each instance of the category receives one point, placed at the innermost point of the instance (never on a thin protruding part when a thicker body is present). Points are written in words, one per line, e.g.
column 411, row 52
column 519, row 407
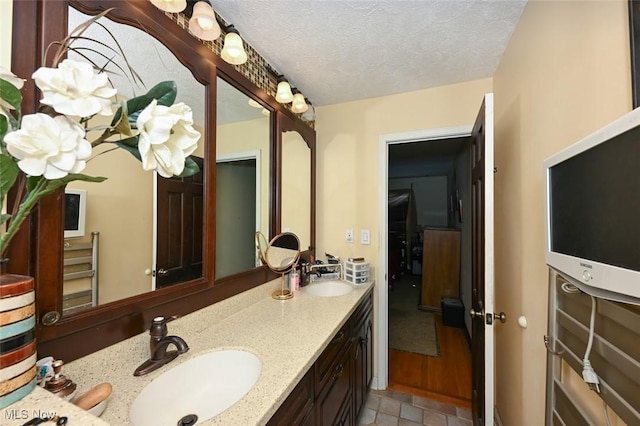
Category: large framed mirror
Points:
column 134, row 209
column 243, row 178
column 39, row 248
column 297, row 169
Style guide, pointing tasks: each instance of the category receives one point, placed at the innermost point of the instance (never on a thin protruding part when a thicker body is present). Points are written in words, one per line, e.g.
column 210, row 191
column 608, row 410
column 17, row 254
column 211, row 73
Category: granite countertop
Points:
column 287, row 336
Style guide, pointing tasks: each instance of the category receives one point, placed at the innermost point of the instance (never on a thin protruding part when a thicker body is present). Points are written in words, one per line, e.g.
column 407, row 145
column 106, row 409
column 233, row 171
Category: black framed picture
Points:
column 634, row 33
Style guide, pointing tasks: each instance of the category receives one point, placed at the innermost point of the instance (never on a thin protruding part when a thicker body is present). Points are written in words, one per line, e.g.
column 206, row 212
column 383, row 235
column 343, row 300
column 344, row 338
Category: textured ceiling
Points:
column 339, row 51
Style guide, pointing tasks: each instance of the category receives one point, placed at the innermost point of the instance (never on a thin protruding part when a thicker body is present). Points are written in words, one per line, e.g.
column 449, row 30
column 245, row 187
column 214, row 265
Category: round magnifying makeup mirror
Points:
column 261, row 247
column 281, row 255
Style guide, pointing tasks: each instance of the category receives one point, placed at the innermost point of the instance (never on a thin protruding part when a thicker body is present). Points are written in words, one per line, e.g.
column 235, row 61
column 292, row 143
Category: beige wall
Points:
column 566, row 72
column 347, row 156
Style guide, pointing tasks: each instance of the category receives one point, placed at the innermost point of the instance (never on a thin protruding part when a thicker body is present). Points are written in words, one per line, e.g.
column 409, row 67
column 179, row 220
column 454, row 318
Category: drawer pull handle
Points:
column 338, row 337
column 339, row 373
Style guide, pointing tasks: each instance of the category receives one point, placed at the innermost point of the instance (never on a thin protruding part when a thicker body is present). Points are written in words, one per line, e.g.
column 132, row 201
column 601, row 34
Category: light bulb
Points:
column 254, row 104
column 283, row 93
column 233, row 50
column 299, row 105
column 172, row 6
column 203, row 23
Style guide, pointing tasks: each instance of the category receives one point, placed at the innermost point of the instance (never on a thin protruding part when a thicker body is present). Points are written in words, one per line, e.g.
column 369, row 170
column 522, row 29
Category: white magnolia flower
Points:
column 7, row 75
column 75, row 89
column 167, row 137
column 49, row 147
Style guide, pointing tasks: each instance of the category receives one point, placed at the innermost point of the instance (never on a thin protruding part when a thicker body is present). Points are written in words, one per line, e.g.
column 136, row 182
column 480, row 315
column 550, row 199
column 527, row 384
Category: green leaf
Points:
column 32, row 182
column 4, row 127
column 190, row 168
column 11, row 95
column 164, row 92
column 8, row 174
column 130, row 145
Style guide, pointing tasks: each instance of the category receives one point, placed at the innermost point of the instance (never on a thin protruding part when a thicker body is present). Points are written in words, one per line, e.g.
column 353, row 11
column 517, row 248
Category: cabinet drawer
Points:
column 296, row 409
column 336, row 391
column 362, row 311
column 325, row 364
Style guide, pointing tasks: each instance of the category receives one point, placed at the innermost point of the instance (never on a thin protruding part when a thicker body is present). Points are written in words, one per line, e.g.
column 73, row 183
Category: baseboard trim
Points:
column 374, row 383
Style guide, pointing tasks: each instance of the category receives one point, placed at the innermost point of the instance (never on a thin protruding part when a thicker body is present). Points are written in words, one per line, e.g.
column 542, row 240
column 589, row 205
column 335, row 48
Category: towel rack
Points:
column 615, row 355
column 80, row 261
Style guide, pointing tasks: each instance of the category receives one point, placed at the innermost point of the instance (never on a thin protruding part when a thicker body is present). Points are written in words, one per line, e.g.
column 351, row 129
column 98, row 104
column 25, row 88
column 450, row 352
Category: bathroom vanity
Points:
column 316, row 356
column 334, row 389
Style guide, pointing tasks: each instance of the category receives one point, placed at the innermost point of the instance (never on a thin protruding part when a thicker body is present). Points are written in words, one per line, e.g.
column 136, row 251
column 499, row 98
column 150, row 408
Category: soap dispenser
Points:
column 59, row 385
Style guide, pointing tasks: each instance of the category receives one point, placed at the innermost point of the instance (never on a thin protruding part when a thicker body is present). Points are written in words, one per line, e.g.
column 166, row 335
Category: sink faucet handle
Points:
column 158, row 327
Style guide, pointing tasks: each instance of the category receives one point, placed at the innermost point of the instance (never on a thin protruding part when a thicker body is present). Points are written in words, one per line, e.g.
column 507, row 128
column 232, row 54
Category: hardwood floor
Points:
column 446, row 378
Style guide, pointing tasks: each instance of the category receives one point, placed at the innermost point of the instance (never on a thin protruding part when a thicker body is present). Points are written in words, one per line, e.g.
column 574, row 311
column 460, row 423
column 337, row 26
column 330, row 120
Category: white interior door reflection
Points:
column 238, row 201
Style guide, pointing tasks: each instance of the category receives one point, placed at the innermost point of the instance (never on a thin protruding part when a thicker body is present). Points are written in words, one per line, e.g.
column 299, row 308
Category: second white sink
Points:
column 329, row 288
column 204, row 386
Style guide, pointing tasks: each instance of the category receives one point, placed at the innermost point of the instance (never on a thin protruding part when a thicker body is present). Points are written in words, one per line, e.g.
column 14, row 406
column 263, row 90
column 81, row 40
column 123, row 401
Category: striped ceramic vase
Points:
column 17, row 338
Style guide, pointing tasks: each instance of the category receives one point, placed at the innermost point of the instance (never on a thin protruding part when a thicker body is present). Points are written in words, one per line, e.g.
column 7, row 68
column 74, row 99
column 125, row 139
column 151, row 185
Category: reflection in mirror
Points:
column 242, row 179
column 123, row 209
column 296, row 187
column 281, row 256
column 261, row 246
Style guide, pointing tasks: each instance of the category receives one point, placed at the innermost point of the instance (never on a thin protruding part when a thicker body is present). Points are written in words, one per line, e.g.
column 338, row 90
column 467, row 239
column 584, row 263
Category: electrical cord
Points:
column 569, row 288
column 588, row 374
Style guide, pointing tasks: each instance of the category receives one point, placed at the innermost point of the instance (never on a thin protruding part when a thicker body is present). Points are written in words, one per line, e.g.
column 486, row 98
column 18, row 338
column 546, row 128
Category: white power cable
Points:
column 588, row 374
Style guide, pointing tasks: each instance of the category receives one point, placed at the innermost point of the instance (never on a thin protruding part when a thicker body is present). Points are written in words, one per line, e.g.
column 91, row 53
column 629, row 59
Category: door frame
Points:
column 381, row 381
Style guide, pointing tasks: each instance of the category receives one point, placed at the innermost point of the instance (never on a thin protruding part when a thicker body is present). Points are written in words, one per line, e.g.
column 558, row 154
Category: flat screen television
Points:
column 593, row 211
column 75, row 212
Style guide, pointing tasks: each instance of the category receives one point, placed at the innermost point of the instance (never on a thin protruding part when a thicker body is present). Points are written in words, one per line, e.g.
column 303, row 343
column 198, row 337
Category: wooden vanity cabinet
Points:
column 335, row 388
column 298, row 407
column 336, row 392
column 362, row 352
column 325, row 366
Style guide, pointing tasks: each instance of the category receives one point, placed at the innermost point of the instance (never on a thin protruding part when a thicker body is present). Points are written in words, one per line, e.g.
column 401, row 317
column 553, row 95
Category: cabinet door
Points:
column 363, row 362
column 297, row 409
column 327, row 361
column 336, row 392
column 346, row 416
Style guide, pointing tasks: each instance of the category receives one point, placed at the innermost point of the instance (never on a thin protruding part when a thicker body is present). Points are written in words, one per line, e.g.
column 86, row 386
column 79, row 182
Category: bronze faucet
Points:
column 158, row 347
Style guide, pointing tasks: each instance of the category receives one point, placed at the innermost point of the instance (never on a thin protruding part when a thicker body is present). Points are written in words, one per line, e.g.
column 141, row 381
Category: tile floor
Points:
column 390, row 408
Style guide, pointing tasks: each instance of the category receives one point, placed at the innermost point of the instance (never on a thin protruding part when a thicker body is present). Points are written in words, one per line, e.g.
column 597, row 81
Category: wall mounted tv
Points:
column 593, row 211
column 75, row 212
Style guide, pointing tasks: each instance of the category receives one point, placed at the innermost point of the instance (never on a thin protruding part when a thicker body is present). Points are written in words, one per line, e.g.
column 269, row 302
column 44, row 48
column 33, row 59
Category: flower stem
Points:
column 39, row 191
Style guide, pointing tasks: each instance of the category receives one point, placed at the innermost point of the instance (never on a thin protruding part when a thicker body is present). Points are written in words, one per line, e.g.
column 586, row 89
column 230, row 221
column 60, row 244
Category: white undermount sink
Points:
column 328, row 288
column 205, row 386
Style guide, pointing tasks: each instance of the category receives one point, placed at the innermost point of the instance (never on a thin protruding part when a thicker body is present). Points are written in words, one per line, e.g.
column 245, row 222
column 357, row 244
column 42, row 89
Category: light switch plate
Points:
column 365, row 236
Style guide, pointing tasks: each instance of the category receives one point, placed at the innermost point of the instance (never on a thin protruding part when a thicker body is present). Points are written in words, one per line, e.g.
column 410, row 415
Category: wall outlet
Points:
column 349, row 235
column 365, row 236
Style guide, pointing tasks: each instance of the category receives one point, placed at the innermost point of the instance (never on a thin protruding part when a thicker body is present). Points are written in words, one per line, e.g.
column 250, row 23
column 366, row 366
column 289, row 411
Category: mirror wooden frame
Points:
column 35, row 25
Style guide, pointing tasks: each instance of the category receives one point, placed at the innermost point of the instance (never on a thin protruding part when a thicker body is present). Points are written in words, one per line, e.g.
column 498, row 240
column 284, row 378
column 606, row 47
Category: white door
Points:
column 482, row 311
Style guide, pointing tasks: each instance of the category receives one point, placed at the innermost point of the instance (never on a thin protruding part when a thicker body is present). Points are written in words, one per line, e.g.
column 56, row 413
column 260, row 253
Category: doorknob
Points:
column 476, row 314
column 163, row 272
column 502, row 317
